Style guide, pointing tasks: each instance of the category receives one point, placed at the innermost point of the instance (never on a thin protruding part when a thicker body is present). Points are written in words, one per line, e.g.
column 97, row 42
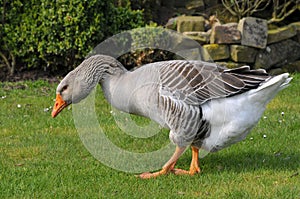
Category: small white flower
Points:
column 46, row 109
column 19, row 106
column 264, row 136
column 277, row 154
column 280, row 121
column 3, row 97
column 251, row 138
column 282, row 113
column 265, row 117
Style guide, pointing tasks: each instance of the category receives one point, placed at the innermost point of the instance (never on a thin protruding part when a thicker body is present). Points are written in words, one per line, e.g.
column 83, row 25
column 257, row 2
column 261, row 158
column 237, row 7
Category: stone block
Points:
column 278, row 54
column 215, row 52
column 225, row 34
column 190, row 23
column 244, row 54
column 254, row 32
column 200, row 37
column 280, row 34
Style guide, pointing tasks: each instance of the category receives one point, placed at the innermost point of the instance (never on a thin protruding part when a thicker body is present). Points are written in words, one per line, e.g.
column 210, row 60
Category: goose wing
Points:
column 195, row 82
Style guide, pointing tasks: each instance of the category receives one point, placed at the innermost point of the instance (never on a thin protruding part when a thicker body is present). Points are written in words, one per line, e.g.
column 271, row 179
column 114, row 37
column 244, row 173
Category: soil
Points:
column 31, row 75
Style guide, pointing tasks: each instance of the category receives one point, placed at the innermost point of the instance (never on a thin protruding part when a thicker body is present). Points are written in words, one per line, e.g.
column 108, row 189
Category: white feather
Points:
column 232, row 118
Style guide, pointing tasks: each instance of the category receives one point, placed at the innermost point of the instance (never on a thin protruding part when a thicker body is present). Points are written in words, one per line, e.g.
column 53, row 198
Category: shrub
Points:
column 52, row 34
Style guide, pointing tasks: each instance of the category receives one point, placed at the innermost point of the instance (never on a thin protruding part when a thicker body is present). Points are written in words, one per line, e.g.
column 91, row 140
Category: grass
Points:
column 41, row 157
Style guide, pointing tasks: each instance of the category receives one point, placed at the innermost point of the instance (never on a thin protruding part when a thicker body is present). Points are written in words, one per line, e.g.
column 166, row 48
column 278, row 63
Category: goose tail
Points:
column 269, row 88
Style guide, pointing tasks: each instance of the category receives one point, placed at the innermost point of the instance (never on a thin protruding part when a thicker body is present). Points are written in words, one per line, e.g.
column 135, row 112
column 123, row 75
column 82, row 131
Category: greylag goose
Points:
column 204, row 106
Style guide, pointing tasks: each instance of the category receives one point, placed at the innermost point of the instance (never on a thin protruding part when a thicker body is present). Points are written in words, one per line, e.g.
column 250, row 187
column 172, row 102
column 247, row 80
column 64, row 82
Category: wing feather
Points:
column 195, row 82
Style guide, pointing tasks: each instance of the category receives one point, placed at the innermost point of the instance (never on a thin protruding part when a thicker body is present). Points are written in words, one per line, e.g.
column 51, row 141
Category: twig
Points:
column 5, row 61
column 245, row 8
column 283, row 13
column 13, row 63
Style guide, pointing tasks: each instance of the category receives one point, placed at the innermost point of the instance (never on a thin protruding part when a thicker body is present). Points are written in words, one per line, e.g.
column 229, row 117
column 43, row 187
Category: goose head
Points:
column 72, row 89
column 80, row 82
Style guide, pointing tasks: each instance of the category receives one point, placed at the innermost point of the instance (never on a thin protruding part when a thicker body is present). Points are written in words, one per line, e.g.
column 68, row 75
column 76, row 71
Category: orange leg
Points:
column 168, row 167
column 194, row 168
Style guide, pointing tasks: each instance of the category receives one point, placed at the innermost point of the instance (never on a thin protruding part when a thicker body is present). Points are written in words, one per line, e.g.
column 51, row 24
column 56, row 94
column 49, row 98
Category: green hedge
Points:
column 56, row 34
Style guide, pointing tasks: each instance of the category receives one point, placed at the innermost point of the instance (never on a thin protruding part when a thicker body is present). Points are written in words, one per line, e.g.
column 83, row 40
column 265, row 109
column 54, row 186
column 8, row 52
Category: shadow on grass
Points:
column 245, row 161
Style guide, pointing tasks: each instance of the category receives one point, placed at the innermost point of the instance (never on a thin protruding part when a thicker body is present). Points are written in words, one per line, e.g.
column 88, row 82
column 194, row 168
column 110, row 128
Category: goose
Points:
column 204, row 106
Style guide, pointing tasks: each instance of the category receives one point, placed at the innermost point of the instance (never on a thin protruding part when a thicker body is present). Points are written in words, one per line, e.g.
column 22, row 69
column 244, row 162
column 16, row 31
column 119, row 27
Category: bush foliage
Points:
column 55, row 34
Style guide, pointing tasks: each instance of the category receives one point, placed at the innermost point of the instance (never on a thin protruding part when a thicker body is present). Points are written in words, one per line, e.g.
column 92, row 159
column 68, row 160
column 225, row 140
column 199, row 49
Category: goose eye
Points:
column 64, row 88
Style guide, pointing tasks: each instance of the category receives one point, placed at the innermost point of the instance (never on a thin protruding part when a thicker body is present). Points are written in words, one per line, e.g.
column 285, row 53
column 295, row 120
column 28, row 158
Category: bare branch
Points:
column 241, row 8
column 13, row 63
column 258, row 4
column 281, row 11
column 228, row 7
column 6, row 62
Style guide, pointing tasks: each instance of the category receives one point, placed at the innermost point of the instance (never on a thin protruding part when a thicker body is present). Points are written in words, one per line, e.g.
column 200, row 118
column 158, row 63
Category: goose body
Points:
column 204, row 106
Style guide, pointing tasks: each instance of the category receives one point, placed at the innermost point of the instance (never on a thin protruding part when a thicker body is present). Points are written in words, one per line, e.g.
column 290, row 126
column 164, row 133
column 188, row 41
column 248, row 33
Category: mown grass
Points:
column 41, row 157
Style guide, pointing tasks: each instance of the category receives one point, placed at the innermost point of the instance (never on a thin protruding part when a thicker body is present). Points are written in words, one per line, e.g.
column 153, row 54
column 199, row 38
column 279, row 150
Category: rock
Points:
column 275, row 71
column 244, row 54
column 178, row 42
column 184, row 6
column 190, row 23
column 280, row 34
column 215, row 52
column 225, row 34
column 200, row 37
column 169, row 3
column 254, row 32
column 292, row 67
column 230, row 65
column 162, row 14
column 298, row 36
column 278, row 54
column 211, row 3
column 179, row 3
column 172, row 23
column 211, row 23
column 189, row 54
column 296, row 26
column 195, row 4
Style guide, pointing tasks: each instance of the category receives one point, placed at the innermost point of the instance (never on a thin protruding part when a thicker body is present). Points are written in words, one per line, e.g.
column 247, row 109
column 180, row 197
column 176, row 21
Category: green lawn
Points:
column 41, row 157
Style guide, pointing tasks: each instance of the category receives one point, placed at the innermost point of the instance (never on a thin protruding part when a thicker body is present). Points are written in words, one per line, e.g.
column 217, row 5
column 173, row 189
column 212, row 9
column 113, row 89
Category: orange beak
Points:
column 59, row 105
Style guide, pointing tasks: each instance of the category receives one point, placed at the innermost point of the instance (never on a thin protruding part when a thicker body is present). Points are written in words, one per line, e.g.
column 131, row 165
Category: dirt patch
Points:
column 30, row 75
column 129, row 60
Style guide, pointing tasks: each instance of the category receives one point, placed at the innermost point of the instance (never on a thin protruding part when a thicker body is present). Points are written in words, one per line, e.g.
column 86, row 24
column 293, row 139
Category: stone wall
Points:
column 162, row 10
column 247, row 42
